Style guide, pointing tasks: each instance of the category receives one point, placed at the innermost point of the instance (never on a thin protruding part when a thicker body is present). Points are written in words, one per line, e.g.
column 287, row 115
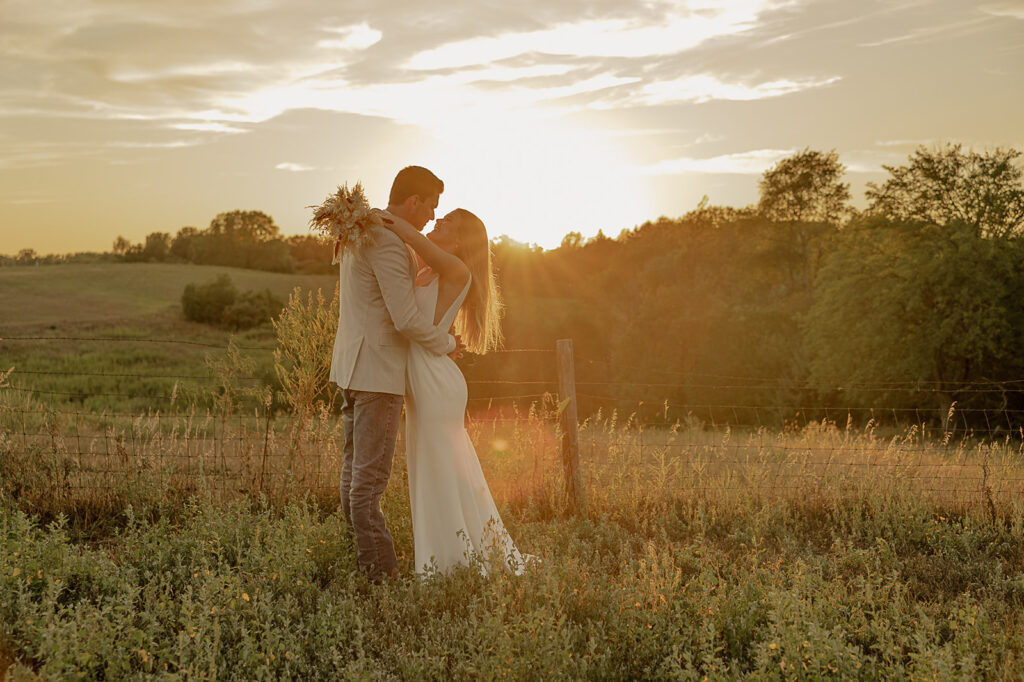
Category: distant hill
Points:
column 66, row 295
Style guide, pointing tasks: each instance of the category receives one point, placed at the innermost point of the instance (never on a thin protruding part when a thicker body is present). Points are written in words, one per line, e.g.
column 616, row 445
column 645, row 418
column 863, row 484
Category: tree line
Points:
column 799, row 304
column 241, row 239
column 796, row 305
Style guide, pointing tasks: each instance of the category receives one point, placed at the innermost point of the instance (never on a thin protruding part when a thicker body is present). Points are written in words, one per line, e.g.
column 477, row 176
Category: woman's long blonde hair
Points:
column 479, row 320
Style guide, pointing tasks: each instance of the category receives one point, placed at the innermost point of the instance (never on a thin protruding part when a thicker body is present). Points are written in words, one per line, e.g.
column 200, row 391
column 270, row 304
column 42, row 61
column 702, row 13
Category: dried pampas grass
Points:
column 347, row 217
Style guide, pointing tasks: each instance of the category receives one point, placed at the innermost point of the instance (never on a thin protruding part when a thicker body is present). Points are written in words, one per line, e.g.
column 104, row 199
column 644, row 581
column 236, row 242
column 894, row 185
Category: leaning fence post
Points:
column 569, row 420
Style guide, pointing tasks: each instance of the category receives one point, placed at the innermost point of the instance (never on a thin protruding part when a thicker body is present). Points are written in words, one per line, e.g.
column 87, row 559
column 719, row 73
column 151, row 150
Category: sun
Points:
column 536, row 180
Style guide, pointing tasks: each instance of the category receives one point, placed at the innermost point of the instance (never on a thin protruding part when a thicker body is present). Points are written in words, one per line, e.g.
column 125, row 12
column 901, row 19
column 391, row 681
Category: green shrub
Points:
column 207, row 302
column 220, row 303
column 251, row 309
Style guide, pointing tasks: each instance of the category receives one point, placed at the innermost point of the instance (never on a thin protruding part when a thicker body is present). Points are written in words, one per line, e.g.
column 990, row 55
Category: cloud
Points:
column 601, row 38
column 754, row 162
column 1008, row 8
column 172, row 144
column 294, row 167
column 359, row 37
column 208, row 127
column 926, row 33
column 26, row 201
column 212, row 68
column 706, row 87
column 870, row 161
column 905, row 143
column 215, row 69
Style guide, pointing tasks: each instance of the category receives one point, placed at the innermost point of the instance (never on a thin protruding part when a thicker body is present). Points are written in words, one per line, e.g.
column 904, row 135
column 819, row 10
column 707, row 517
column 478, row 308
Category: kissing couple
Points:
column 400, row 294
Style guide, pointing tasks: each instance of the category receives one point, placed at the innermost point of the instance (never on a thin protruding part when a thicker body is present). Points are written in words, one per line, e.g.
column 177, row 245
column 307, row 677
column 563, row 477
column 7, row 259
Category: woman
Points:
column 453, row 515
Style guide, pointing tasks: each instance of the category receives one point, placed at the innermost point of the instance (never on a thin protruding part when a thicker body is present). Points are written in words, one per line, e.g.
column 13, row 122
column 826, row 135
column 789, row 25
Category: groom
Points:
column 378, row 318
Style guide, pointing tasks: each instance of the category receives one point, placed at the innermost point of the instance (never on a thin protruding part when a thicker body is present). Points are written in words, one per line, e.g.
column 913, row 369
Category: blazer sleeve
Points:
column 390, row 262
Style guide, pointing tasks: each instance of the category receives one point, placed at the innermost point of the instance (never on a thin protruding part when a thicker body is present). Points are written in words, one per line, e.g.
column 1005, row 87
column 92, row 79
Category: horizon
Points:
column 542, row 120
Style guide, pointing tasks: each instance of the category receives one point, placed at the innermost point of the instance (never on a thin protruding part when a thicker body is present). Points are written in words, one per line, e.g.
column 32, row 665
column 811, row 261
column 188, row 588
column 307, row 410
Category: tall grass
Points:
column 201, row 545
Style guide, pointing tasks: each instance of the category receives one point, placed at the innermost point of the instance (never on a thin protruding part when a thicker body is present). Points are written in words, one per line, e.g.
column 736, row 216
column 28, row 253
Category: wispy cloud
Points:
column 358, row 37
column 706, row 87
column 208, row 127
column 172, row 144
column 22, row 201
column 675, row 33
column 904, row 143
column 1007, row 8
column 934, row 32
column 752, row 162
column 870, row 161
column 293, row 167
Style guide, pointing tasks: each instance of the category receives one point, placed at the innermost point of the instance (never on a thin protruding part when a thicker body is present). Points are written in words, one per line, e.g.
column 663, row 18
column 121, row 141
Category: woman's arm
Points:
column 446, row 265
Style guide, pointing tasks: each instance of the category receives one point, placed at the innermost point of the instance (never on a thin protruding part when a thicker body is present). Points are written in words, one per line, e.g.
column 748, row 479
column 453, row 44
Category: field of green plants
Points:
column 177, row 564
column 205, row 541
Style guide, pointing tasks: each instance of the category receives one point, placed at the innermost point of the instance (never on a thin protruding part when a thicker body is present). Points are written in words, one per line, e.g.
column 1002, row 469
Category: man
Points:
column 378, row 318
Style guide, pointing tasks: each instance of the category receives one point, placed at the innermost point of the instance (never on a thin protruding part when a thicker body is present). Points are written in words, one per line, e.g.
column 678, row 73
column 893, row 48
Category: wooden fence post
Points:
column 569, row 420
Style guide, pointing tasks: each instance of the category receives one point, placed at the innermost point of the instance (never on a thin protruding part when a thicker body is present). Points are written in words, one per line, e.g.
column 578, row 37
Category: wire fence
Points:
column 650, row 433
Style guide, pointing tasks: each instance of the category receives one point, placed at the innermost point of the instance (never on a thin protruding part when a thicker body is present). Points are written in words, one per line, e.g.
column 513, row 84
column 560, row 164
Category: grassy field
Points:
column 148, row 538
column 72, row 296
column 130, row 302
column 184, row 552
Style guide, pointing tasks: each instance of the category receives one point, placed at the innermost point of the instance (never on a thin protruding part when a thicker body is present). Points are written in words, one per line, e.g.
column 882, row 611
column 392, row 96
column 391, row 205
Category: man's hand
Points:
column 459, row 346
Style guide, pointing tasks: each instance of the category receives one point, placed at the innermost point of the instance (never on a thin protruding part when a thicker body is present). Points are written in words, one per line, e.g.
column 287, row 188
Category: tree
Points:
column 909, row 302
column 181, row 245
column 157, row 247
column 807, row 187
column 806, row 195
column 274, row 256
column 312, row 253
column 247, row 226
column 121, row 246
column 571, row 240
column 982, row 190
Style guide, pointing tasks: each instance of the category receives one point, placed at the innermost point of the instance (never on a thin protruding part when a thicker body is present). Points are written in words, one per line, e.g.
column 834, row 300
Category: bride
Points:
column 454, row 518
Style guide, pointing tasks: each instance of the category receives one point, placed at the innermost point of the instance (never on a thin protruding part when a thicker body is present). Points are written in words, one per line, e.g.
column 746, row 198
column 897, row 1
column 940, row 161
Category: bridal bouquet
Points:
column 346, row 216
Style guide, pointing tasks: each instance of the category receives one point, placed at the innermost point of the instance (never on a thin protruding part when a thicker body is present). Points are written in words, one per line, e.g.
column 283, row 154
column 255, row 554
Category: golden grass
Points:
column 65, row 461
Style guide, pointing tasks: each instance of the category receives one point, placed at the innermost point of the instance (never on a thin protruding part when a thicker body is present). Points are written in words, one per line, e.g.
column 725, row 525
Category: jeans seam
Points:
column 378, row 535
column 390, row 423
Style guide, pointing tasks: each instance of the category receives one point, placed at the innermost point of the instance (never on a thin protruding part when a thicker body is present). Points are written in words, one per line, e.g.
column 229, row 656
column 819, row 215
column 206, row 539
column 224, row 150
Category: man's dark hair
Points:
column 414, row 180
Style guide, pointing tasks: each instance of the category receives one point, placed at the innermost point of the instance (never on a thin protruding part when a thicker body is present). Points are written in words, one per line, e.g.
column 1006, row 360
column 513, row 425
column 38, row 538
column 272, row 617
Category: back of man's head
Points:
column 414, row 180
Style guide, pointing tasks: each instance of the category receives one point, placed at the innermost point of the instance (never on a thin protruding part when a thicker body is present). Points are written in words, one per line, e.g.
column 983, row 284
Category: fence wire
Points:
column 699, row 446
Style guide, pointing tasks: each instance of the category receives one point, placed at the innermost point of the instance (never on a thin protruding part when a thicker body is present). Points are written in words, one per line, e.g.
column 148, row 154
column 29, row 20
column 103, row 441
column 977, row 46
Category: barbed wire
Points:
column 105, row 339
column 864, row 388
column 103, row 414
column 790, row 408
column 250, row 484
column 551, row 382
column 207, row 377
column 151, row 396
column 798, row 383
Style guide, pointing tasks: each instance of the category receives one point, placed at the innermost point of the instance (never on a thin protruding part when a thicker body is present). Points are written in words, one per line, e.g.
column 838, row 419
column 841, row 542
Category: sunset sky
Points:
column 125, row 117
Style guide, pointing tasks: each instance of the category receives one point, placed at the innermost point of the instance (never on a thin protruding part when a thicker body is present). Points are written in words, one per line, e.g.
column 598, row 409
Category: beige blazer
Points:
column 378, row 317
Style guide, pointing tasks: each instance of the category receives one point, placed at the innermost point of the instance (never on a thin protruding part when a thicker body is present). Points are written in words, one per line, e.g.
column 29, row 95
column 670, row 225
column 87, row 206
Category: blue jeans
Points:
column 371, row 429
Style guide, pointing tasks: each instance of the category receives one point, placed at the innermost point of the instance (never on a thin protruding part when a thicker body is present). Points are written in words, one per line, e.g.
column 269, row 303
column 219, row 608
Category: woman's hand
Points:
column 402, row 229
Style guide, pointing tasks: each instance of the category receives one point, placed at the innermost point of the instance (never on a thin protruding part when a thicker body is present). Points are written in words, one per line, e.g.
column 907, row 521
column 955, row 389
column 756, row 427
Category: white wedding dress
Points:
column 454, row 519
